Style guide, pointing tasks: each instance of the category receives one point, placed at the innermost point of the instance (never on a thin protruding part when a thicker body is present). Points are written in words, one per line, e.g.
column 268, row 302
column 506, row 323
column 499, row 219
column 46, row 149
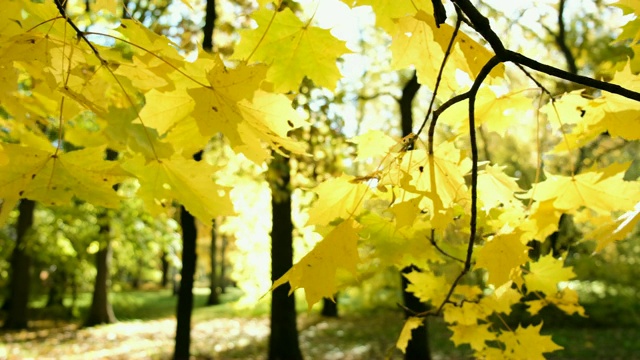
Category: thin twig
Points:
column 432, row 240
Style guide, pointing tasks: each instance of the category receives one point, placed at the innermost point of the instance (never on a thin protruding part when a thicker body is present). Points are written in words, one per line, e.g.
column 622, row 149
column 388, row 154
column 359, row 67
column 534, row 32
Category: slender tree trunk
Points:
column 330, row 308
column 213, row 275
column 223, row 265
column 20, row 282
column 57, row 288
column 418, row 347
column 175, row 281
column 185, row 293
column 164, row 263
column 209, row 25
column 283, row 340
column 101, row 311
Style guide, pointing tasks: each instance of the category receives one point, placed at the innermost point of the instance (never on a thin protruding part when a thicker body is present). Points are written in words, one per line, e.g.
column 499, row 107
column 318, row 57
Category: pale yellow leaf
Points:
column 316, row 271
column 545, row 274
column 405, row 335
column 473, row 334
column 340, row 197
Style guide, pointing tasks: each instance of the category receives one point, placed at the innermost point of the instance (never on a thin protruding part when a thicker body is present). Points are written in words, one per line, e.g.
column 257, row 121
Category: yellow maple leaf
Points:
column 589, row 189
column 10, row 15
column 216, row 107
column 566, row 300
column 316, row 271
column 163, row 110
column 501, row 301
column 502, row 257
column 450, row 188
column 234, row 106
column 473, row 334
column 397, row 246
column 427, row 286
column 373, row 144
column 615, row 230
column 186, row 137
column 268, row 117
column 467, row 314
column 406, row 212
column 185, row 180
column 527, row 343
column 340, row 197
column 389, row 10
column 545, row 274
column 405, row 335
column 56, row 178
column 106, row 5
column 415, row 44
column 542, row 220
column 495, row 188
column 292, row 49
column 154, row 43
column 497, row 113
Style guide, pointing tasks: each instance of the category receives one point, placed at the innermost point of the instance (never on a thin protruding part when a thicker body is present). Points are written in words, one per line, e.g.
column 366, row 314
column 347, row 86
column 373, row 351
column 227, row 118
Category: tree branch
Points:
column 483, row 27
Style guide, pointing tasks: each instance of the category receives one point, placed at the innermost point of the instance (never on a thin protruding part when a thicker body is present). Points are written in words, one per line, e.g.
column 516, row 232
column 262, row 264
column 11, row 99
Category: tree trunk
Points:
column 101, row 311
column 329, row 307
column 223, row 265
column 57, row 288
column 20, row 282
column 213, row 275
column 418, row 347
column 209, row 24
column 283, row 340
column 185, row 293
column 165, row 270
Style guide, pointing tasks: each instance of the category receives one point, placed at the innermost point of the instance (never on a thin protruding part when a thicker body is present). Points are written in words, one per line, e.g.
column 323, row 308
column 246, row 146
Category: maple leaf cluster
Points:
column 68, row 99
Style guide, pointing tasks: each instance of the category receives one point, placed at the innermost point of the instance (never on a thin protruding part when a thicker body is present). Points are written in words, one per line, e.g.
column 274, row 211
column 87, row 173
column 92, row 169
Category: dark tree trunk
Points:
column 20, row 282
column 175, row 281
column 213, row 276
column 185, row 293
column 223, row 265
column 165, row 270
column 283, row 340
column 101, row 311
column 406, row 104
column 209, row 24
column 418, row 347
column 74, row 293
column 57, row 288
column 329, row 307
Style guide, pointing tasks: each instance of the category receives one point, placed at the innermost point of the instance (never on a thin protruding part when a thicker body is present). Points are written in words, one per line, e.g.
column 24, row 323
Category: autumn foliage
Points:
column 67, row 95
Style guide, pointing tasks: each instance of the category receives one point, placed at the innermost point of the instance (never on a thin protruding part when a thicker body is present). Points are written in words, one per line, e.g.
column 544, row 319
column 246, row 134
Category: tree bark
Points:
column 418, row 347
column 57, row 288
column 283, row 340
column 101, row 311
column 223, row 265
column 213, row 275
column 164, row 263
column 185, row 293
column 209, row 25
column 329, row 307
column 20, row 282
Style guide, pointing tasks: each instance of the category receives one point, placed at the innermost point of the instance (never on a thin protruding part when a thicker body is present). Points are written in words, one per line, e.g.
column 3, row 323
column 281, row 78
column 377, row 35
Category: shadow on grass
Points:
column 227, row 332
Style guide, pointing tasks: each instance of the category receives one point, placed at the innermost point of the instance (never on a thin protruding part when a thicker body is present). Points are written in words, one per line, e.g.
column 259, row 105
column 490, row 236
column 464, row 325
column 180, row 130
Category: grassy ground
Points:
column 147, row 326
